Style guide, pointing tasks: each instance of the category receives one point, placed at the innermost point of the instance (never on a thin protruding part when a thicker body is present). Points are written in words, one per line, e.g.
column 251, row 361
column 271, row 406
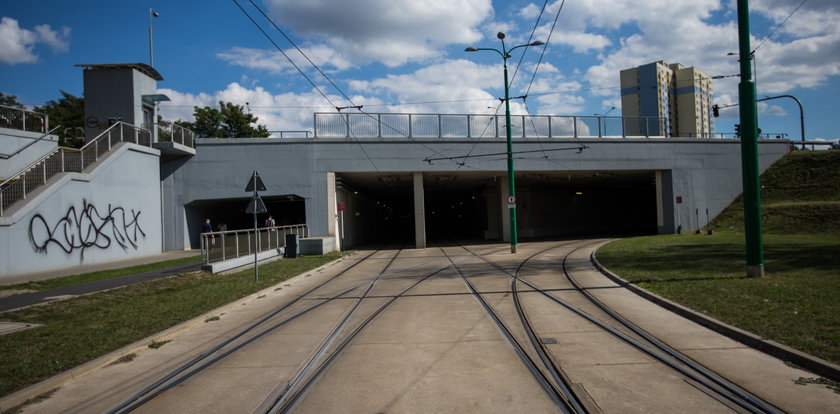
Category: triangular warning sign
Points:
column 256, row 205
column 255, row 180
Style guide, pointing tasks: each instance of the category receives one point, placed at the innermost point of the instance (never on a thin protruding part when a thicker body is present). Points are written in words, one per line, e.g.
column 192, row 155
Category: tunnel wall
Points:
column 700, row 171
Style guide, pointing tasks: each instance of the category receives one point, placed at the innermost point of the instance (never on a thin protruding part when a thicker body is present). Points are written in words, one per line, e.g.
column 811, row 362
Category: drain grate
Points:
column 547, row 341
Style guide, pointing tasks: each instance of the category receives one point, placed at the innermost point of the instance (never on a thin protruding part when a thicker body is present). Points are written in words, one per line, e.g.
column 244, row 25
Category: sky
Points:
column 408, row 56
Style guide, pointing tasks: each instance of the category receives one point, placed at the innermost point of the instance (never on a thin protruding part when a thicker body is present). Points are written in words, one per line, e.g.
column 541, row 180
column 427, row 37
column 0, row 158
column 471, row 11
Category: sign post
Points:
column 256, row 206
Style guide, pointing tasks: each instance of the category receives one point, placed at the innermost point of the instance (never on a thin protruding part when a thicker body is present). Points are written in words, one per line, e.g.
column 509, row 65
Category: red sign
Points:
column 679, row 199
column 340, row 206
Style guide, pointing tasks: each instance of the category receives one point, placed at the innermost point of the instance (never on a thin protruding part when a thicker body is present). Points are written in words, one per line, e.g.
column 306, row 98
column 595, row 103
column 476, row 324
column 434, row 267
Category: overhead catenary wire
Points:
column 772, row 32
column 305, row 76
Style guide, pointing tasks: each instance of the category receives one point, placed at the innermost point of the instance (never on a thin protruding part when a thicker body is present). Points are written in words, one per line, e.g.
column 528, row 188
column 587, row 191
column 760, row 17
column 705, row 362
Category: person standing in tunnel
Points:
column 269, row 222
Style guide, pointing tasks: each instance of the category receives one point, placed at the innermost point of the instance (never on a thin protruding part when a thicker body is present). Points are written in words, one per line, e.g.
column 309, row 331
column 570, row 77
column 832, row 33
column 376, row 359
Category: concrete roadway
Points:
column 434, row 349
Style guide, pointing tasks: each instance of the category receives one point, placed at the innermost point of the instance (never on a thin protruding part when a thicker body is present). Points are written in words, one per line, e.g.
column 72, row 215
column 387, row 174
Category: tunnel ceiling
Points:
column 398, row 184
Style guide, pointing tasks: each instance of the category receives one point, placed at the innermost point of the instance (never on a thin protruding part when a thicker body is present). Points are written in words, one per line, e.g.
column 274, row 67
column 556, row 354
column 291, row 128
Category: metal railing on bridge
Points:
column 64, row 159
column 175, row 133
column 22, row 119
column 401, row 125
column 224, row 245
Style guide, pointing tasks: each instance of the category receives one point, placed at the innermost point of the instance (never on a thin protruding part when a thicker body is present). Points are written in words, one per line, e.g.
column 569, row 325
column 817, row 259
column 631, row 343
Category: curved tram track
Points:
column 400, row 330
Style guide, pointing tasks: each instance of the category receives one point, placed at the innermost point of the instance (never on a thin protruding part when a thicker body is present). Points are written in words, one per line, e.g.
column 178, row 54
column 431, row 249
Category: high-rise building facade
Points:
column 677, row 100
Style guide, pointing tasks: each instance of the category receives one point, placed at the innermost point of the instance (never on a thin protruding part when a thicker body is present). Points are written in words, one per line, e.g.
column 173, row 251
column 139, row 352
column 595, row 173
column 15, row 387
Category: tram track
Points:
column 503, row 302
column 234, row 343
column 655, row 348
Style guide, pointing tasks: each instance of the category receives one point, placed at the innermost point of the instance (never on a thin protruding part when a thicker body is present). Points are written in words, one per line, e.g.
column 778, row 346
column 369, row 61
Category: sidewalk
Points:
column 34, row 298
column 75, row 270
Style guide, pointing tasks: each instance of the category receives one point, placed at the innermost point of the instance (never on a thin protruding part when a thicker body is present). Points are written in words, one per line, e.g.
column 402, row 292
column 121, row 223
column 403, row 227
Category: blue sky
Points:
column 407, row 56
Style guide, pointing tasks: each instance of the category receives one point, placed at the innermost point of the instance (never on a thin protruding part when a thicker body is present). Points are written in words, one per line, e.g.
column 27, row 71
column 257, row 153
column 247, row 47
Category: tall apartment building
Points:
column 678, row 100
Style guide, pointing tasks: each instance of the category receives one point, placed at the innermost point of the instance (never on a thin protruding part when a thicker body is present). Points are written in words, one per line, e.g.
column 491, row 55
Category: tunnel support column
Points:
column 419, row 212
column 332, row 216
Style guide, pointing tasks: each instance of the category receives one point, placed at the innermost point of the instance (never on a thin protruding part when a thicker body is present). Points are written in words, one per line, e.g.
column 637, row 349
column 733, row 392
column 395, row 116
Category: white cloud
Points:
column 281, row 112
column 393, row 32
column 274, row 62
column 17, row 45
column 52, row 38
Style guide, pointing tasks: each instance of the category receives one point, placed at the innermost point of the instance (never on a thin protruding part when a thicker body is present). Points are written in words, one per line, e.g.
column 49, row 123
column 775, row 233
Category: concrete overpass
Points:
column 632, row 185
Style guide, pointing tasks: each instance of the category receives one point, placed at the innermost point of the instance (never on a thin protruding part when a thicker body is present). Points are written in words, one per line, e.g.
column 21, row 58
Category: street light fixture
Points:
column 505, row 53
column 152, row 13
column 601, row 118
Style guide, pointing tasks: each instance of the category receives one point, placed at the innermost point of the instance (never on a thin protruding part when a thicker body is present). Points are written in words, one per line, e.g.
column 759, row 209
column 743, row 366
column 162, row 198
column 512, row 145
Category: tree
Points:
column 230, row 121
column 10, row 100
column 69, row 112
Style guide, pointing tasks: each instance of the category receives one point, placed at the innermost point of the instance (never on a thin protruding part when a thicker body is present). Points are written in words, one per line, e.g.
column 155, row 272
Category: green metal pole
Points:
column 511, row 184
column 749, row 148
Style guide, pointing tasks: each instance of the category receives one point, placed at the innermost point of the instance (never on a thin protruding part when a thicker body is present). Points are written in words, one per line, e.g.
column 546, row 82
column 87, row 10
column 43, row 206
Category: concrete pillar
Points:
column 332, row 214
column 660, row 208
column 502, row 205
column 419, row 212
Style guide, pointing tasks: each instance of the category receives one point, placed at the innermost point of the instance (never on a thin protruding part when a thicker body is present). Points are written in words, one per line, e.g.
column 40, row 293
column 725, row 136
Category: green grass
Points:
column 81, row 329
column 100, row 275
column 796, row 302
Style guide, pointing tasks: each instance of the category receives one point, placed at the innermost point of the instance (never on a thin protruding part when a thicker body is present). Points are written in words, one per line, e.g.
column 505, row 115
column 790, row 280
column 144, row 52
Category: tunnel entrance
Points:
column 472, row 205
column 285, row 209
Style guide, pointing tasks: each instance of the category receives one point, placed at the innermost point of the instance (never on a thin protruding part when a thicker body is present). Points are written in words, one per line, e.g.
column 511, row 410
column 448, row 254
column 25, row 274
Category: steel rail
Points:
column 195, row 361
column 293, row 386
column 558, row 396
column 559, row 376
column 728, row 386
column 735, row 398
column 289, row 403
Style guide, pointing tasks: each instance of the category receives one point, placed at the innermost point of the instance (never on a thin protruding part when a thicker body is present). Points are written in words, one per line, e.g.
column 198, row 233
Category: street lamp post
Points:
column 152, row 13
column 511, row 184
column 754, row 239
column 603, row 117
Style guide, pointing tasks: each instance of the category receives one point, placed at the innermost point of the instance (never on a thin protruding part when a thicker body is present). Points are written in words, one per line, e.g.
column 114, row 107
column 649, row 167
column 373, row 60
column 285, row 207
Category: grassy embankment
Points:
column 796, row 303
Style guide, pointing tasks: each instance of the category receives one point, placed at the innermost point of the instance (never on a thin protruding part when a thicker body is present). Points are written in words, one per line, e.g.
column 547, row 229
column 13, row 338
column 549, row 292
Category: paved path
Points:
column 400, row 332
column 34, row 298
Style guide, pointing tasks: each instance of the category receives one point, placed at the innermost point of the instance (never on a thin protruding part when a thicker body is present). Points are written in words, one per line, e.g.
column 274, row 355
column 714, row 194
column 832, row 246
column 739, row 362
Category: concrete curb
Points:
column 772, row 348
column 21, row 397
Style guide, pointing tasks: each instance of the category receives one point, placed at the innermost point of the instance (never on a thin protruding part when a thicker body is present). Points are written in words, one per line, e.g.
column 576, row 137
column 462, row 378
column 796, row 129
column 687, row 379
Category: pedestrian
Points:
column 269, row 222
column 223, row 226
column 208, row 228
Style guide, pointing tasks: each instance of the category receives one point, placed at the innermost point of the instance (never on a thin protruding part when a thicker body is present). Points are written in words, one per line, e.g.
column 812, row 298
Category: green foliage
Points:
column 800, row 194
column 69, row 112
column 795, row 303
column 229, row 121
column 80, row 329
column 10, row 100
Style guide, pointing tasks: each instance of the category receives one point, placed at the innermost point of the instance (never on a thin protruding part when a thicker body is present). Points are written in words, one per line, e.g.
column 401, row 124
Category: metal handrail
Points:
column 175, row 133
column 407, row 125
column 42, row 126
column 46, row 134
column 63, row 159
column 224, row 245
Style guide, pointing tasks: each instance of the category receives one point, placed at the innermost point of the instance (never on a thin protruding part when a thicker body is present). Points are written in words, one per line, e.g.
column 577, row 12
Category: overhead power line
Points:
column 779, row 26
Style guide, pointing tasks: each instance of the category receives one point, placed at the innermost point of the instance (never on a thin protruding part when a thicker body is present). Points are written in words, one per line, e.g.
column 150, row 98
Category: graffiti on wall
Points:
column 87, row 228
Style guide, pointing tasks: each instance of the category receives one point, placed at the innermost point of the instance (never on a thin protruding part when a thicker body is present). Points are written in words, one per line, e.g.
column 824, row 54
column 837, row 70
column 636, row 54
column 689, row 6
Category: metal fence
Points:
column 17, row 118
column 395, row 125
column 175, row 133
column 64, row 159
column 223, row 245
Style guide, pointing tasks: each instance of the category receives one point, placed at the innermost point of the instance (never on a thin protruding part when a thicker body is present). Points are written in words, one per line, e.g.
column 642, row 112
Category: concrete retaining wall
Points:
column 110, row 213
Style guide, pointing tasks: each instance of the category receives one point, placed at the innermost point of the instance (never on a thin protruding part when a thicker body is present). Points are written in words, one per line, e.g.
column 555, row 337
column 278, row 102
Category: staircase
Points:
column 62, row 160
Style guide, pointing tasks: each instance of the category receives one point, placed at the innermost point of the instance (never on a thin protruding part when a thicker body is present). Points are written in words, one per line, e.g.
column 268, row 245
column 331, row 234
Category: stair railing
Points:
column 63, row 159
